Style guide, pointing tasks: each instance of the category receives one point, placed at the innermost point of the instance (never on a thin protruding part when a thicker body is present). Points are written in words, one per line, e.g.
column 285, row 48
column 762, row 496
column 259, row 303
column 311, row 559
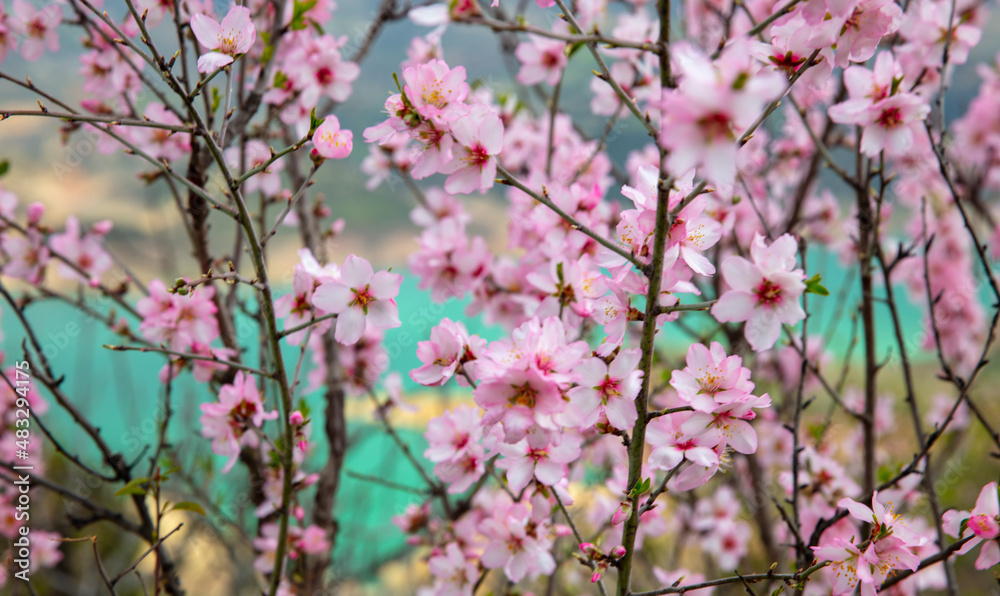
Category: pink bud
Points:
column 94, row 282
column 299, row 513
column 102, row 227
column 618, row 552
column 338, row 226
column 587, row 546
column 35, row 211
column 296, row 418
column 598, row 574
column 302, row 445
column 293, row 555
column 622, row 514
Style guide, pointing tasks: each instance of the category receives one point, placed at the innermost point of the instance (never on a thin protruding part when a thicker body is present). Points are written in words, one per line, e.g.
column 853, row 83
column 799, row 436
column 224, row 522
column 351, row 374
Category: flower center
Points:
column 324, row 76
column 478, row 156
column 362, row 298
column 716, row 126
column 768, row 294
column 523, row 396
column 890, row 118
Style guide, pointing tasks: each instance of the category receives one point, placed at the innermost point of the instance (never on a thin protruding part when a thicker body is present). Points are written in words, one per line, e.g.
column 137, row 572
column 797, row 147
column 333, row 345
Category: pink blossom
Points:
column 436, row 91
column 448, row 262
column 451, row 433
column 228, row 422
column 360, row 297
column 258, row 153
column 544, row 463
column 449, row 348
column 984, row 524
column 225, row 41
column 318, row 71
column 763, row 292
column 711, row 378
column 692, row 233
column 672, row 446
column 515, row 547
column 479, row 138
column 313, row 541
column 27, row 256
column 608, row 389
column 878, row 102
column 84, row 250
column 177, row 320
column 714, row 103
column 542, row 59
column 159, row 142
column 38, row 28
column 330, row 141
column 454, row 573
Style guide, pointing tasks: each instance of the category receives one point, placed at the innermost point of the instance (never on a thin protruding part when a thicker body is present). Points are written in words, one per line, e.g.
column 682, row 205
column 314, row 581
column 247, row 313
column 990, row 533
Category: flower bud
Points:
column 622, row 514
column 35, row 211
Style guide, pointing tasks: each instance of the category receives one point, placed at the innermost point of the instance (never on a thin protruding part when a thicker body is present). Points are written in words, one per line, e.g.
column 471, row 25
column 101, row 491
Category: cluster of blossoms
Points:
column 79, row 254
column 889, row 548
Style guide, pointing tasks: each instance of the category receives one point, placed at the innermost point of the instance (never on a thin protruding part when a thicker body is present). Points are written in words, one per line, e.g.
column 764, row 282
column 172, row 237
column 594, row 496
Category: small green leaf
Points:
column 4, row 166
column 814, row 287
column 216, row 98
column 314, row 122
column 298, row 14
column 778, row 591
column 896, row 81
column 134, row 487
column 279, row 80
column 189, row 506
column 572, row 48
column 304, row 408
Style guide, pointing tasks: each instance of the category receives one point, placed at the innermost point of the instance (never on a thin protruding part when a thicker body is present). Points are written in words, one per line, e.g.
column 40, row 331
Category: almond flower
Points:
column 890, row 116
column 984, row 523
column 360, row 298
column 225, row 41
column 330, row 141
column 763, row 292
column 227, row 421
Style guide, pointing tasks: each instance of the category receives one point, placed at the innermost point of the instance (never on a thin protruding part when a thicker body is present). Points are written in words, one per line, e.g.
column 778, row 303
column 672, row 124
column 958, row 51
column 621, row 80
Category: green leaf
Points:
column 304, row 408
column 189, row 506
column 814, row 287
column 216, row 98
column 896, row 81
column 279, row 80
column 778, row 591
column 298, row 14
column 4, row 166
column 134, row 487
column 314, row 122
column 571, row 49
